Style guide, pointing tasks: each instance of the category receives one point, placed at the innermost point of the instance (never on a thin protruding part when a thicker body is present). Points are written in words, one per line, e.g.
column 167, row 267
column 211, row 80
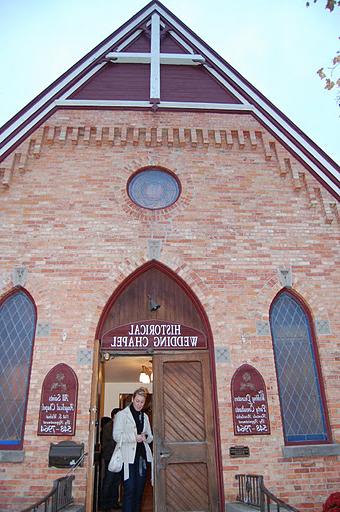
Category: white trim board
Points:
column 156, row 15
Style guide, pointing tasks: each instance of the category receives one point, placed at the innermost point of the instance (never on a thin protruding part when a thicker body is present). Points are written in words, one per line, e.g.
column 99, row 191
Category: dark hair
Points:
column 114, row 412
column 104, row 420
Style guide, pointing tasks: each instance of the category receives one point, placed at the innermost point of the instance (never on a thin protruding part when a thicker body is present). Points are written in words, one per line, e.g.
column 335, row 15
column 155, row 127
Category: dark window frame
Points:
column 300, row 301
column 7, row 296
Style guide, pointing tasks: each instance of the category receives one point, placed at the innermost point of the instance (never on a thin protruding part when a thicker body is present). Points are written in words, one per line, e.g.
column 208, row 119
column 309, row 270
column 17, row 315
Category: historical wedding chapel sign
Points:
column 153, row 334
column 249, row 402
column 58, row 404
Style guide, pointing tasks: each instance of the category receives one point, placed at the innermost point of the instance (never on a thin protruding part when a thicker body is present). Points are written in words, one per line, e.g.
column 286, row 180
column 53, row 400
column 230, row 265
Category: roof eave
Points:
column 40, row 108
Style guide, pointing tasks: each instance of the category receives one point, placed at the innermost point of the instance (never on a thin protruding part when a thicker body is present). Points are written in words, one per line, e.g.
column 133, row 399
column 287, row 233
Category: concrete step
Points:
column 74, row 508
column 240, row 507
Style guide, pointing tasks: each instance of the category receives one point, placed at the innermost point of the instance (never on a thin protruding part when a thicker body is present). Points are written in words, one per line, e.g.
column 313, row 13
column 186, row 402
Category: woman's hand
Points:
column 140, row 438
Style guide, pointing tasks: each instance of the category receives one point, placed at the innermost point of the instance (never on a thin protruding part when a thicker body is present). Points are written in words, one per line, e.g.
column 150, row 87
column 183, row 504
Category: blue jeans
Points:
column 134, row 486
column 110, row 488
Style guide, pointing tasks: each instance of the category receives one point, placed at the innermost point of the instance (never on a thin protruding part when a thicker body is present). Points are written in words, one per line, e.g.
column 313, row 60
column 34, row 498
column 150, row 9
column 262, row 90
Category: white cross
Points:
column 155, row 59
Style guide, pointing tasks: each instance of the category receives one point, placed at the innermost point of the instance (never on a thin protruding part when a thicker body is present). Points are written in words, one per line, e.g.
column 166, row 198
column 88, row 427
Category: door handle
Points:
column 164, row 455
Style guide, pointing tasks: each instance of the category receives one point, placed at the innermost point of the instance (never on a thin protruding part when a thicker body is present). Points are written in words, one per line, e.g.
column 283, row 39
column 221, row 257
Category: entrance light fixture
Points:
column 153, row 306
column 146, row 375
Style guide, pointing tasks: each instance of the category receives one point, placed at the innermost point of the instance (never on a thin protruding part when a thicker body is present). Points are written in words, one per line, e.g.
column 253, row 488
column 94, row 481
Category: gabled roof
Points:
column 156, row 62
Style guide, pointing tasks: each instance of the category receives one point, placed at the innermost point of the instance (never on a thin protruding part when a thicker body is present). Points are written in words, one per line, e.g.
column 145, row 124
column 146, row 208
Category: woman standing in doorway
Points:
column 133, row 432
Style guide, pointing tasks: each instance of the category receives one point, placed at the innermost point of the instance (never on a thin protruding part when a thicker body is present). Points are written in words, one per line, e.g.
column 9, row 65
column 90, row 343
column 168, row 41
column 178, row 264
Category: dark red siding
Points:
column 141, row 44
column 117, row 82
column 170, row 45
column 192, row 83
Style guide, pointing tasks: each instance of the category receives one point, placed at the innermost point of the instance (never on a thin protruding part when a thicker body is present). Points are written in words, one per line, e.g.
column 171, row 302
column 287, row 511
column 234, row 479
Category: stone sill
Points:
column 12, row 455
column 312, row 450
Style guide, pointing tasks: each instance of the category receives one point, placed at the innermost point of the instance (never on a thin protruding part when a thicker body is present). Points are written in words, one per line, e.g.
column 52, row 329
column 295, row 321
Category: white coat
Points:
column 125, row 432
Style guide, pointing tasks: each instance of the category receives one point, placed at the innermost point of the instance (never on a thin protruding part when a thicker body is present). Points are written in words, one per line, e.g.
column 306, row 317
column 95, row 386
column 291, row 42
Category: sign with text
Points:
column 249, row 402
column 58, row 404
column 154, row 335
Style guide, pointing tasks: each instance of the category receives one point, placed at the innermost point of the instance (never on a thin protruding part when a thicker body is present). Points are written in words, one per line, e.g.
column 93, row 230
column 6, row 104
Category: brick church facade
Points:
column 152, row 170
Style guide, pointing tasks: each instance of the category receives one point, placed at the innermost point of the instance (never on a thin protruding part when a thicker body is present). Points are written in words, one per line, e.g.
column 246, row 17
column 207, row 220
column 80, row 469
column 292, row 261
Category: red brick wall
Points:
column 247, row 209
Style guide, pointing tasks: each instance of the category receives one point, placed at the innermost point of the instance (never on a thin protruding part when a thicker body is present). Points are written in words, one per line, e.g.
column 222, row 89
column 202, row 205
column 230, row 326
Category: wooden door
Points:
column 184, row 441
column 93, row 466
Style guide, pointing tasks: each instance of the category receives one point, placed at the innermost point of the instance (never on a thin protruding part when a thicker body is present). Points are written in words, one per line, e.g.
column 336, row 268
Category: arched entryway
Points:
column 154, row 313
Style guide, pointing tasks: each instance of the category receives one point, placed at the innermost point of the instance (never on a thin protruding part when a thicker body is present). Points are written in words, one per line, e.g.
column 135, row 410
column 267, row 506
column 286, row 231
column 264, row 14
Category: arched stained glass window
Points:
column 302, row 400
column 17, row 327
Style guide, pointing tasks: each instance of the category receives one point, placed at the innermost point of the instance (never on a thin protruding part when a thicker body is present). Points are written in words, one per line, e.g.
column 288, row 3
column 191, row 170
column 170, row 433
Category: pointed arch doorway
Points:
column 154, row 313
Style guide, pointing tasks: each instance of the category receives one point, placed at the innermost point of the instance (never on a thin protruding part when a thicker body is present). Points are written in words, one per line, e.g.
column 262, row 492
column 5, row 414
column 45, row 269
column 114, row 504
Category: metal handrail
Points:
column 61, row 494
column 58, row 498
column 267, row 497
column 252, row 491
column 249, row 489
column 77, row 463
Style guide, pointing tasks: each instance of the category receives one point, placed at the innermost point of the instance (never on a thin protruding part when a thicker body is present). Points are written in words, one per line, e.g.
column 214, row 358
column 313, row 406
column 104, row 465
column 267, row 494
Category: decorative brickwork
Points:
column 234, row 138
column 247, row 208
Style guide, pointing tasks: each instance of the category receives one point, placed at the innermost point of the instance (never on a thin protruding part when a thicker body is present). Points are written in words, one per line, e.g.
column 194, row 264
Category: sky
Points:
column 277, row 45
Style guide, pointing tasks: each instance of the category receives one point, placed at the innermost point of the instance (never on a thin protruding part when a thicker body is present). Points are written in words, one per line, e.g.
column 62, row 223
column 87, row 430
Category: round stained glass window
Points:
column 153, row 188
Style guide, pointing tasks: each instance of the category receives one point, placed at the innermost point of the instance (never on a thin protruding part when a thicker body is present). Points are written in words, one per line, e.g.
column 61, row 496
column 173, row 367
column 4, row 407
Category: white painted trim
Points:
column 129, row 40
column 117, row 103
column 165, row 58
column 205, row 51
column 226, row 84
column 205, row 106
column 48, row 108
column 148, row 23
column 302, row 155
column 127, row 58
column 36, row 106
column 162, row 104
column 155, row 69
column 182, row 59
column 77, row 71
column 250, row 92
column 181, row 41
column 82, row 80
column 175, row 105
column 101, row 103
column 26, row 128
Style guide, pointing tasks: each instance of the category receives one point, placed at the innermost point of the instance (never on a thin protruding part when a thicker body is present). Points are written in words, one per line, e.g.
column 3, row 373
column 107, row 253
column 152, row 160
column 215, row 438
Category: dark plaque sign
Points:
column 239, row 451
column 58, row 404
column 154, row 335
column 249, row 402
